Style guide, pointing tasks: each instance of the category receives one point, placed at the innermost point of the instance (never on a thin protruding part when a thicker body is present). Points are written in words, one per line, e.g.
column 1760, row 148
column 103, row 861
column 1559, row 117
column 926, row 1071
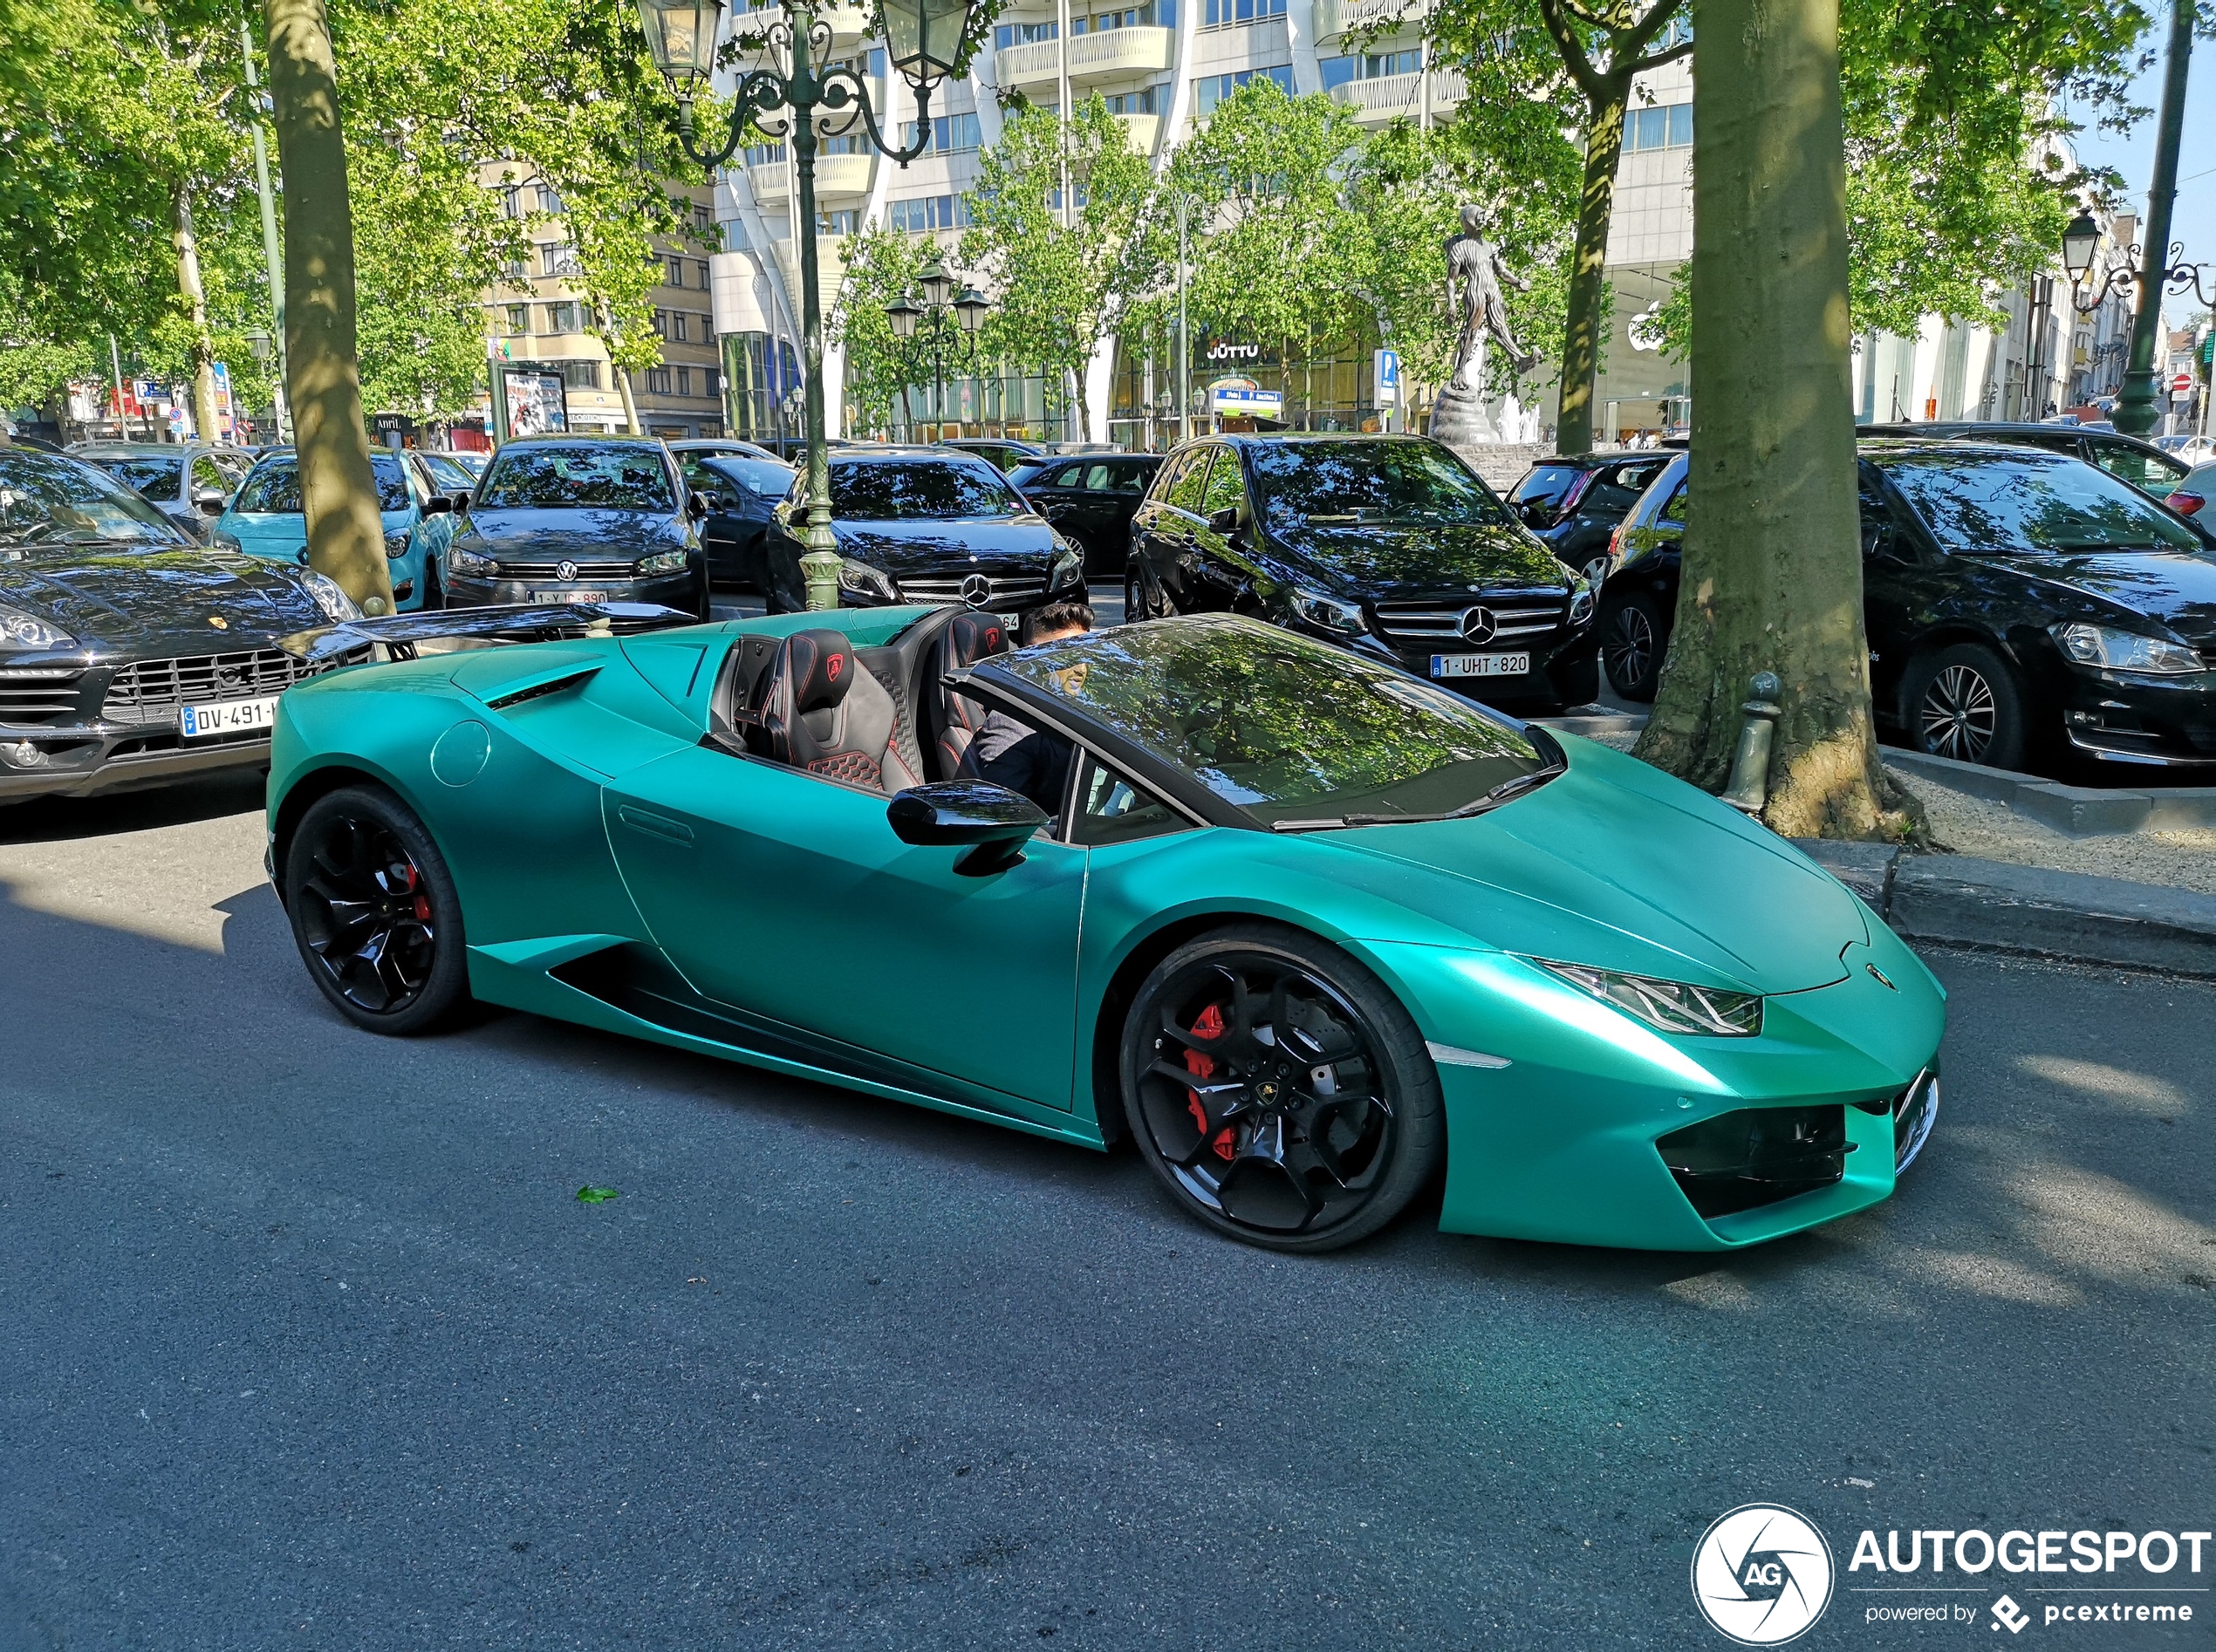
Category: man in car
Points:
column 1009, row 751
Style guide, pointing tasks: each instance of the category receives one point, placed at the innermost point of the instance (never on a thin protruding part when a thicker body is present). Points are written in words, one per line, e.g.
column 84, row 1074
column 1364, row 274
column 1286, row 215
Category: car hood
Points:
column 544, row 535
column 2175, row 587
column 1616, row 865
column 924, row 547
column 1386, row 561
column 129, row 598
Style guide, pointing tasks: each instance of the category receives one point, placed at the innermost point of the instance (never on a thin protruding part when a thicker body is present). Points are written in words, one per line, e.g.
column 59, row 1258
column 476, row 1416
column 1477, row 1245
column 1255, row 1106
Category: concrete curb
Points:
column 1961, row 901
column 2076, row 811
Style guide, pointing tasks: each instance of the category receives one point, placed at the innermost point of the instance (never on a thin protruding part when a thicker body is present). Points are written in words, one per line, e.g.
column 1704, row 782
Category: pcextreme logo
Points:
column 1762, row 1575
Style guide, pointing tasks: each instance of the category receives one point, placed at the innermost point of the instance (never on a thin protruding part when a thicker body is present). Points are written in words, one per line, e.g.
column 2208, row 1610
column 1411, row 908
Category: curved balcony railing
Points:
column 1401, row 94
column 1111, row 52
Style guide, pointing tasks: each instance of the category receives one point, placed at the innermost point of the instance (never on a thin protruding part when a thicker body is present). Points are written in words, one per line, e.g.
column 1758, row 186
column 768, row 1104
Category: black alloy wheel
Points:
column 1963, row 703
column 375, row 913
column 1630, row 646
column 1279, row 1091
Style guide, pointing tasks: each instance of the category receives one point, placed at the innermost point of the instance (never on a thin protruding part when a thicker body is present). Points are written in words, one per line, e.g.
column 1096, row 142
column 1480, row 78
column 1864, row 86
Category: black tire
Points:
column 375, row 913
column 1634, row 636
column 1300, row 1146
column 1143, row 599
column 1964, row 702
column 435, row 591
column 1577, row 684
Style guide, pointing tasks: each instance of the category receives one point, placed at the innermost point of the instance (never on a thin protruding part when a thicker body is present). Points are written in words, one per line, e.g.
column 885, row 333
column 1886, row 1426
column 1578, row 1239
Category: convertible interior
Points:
column 879, row 719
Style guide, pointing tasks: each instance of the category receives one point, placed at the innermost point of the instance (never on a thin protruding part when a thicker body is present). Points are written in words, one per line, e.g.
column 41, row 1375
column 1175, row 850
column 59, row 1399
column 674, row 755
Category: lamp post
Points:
column 938, row 321
column 1184, row 204
column 928, row 40
column 2158, row 265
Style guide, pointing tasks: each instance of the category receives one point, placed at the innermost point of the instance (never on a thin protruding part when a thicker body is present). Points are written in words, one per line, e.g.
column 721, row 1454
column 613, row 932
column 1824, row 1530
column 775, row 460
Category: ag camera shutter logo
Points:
column 1762, row 1575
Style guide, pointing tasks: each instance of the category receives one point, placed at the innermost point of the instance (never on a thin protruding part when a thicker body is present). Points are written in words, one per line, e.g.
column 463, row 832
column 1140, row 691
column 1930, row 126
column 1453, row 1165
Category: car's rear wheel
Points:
column 375, row 913
column 1963, row 702
column 1279, row 1091
column 1632, row 634
column 1142, row 601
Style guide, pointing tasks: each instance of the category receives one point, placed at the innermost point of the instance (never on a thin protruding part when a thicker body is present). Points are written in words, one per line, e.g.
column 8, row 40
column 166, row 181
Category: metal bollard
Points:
column 1750, row 763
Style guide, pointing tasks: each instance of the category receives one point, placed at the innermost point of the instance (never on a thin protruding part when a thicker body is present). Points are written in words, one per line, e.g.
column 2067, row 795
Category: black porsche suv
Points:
column 1388, row 545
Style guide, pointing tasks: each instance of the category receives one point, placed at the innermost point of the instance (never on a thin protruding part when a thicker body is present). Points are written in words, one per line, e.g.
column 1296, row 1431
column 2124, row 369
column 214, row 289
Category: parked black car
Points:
column 580, row 519
column 2021, row 605
column 924, row 525
column 722, row 447
column 1573, row 504
column 1091, row 498
column 129, row 655
column 2141, row 463
column 1390, row 545
column 1004, row 454
column 741, row 491
column 190, row 481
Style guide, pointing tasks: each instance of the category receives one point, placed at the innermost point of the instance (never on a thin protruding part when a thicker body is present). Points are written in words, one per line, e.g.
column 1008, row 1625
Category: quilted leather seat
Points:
column 968, row 639
column 827, row 714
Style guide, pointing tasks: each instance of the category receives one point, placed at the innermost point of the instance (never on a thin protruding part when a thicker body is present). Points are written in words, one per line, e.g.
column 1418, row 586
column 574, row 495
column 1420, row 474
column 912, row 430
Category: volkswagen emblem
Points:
column 1478, row 626
column 977, row 589
column 566, row 571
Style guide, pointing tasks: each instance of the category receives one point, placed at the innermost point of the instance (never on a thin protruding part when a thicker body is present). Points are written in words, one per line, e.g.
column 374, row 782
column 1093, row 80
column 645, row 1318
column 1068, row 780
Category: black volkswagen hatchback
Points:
column 924, row 525
column 2022, row 606
column 1389, row 545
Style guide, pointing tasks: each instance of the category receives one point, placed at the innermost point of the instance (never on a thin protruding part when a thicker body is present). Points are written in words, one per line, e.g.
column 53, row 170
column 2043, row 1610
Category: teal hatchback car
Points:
column 264, row 520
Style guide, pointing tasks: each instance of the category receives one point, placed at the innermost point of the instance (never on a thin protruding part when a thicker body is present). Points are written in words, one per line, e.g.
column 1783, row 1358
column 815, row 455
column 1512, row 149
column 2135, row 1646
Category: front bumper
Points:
column 2163, row 722
column 1562, row 669
column 84, row 763
column 680, row 590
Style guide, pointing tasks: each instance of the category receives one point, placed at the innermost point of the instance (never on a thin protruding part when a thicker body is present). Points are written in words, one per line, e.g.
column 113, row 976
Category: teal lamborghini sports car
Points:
column 1310, row 931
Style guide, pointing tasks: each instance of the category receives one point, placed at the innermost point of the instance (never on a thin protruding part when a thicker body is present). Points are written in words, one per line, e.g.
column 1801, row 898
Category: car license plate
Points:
column 1480, row 665
column 567, row 596
column 229, row 717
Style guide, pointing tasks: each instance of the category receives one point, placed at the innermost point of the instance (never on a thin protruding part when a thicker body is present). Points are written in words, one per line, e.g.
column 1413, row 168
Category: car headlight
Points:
column 20, row 630
column 336, row 604
column 396, row 545
column 2105, row 646
column 663, row 562
column 1067, row 568
column 1581, row 601
column 866, row 581
column 1341, row 619
column 223, row 539
column 467, row 562
column 1668, row 1006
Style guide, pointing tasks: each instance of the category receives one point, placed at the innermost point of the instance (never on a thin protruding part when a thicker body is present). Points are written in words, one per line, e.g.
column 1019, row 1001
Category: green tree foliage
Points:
column 881, row 267
column 1060, row 288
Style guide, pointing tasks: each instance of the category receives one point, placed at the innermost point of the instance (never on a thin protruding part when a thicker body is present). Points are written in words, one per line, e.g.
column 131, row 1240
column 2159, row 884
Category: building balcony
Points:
column 1375, row 102
column 849, row 25
column 1335, row 17
column 1144, row 131
column 836, row 175
column 1107, row 55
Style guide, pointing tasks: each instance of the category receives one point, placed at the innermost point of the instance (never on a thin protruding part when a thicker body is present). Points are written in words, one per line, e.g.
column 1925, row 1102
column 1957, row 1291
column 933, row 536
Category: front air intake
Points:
column 1757, row 1155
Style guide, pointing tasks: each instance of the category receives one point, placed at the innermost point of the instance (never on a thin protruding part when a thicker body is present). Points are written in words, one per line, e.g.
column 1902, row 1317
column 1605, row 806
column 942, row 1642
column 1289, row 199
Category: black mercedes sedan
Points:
column 2024, row 608
column 580, row 519
column 129, row 655
column 1090, row 498
column 924, row 525
column 1390, row 545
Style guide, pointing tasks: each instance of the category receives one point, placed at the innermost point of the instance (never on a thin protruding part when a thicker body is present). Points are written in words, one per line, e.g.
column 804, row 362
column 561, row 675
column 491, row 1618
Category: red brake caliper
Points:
column 1210, row 1025
column 422, row 901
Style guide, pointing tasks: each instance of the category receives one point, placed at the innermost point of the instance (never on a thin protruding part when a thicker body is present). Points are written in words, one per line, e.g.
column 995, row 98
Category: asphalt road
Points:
column 305, row 1339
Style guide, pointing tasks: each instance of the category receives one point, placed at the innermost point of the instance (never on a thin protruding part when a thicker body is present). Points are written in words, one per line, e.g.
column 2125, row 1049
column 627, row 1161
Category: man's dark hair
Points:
column 1057, row 617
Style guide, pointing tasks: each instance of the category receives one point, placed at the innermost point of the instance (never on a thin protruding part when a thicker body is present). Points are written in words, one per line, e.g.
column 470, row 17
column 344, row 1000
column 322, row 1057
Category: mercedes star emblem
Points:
column 1477, row 626
column 977, row 589
column 566, row 571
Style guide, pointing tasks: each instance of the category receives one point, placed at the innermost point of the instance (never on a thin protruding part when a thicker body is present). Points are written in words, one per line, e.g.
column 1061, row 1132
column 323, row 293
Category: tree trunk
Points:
column 630, row 404
column 345, row 534
column 1771, row 574
column 187, row 247
column 1586, row 323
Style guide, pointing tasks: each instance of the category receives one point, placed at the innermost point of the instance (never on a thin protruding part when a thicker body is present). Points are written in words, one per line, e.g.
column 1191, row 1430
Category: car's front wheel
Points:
column 1632, row 632
column 1279, row 1091
column 375, row 913
column 1963, row 702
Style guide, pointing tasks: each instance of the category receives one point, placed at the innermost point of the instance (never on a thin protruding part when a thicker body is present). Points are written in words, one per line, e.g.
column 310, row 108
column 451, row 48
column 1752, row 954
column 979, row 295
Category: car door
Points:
column 788, row 898
column 1906, row 592
column 725, row 530
column 1054, row 496
column 1224, row 565
column 207, row 491
column 1162, row 531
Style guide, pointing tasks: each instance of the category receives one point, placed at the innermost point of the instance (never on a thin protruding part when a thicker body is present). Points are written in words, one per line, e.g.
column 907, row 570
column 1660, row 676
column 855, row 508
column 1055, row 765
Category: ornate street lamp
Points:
column 946, row 318
column 927, row 40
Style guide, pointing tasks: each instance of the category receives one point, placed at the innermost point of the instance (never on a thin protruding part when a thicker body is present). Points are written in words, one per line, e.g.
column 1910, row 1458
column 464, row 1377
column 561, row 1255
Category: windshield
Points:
column 929, row 490
column 573, row 478
column 157, row 477
column 764, row 477
column 274, row 489
column 1287, row 729
column 2006, row 506
column 1369, row 482
column 446, row 474
column 48, row 500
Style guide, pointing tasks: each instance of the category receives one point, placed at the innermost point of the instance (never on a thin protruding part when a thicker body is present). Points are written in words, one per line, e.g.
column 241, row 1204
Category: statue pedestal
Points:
column 1459, row 419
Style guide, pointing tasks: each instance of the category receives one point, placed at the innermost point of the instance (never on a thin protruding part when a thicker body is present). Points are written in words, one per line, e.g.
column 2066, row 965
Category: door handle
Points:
column 641, row 820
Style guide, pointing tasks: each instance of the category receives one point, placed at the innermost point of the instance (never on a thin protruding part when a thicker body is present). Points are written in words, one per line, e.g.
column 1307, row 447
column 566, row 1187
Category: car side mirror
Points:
column 991, row 822
column 696, row 505
column 209, row 500
column 1224, row 521
column 438, row 505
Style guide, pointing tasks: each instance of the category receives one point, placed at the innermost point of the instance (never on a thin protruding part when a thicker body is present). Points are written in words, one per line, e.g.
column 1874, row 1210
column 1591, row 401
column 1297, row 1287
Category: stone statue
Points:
column 1476, row 270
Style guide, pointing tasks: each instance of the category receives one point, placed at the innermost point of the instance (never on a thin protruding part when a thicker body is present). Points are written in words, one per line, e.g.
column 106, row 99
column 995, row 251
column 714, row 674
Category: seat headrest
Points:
column 972, row 636
column 819, row 666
